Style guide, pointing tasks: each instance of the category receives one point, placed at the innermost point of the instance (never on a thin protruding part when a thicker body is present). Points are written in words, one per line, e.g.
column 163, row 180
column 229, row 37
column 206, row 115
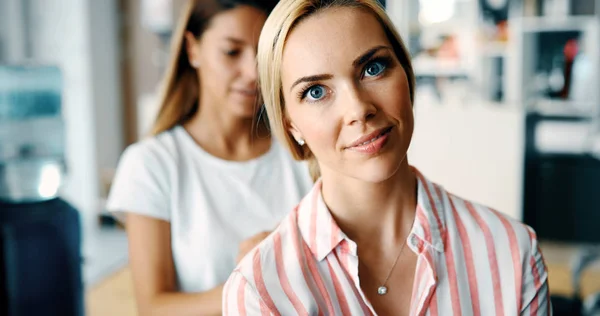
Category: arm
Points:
column 154, row 273
column 240, row 298
column 535, row 292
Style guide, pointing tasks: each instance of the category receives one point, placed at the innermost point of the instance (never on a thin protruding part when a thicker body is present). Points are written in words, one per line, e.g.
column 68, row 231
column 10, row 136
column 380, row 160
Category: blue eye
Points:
column 315, row 93
column 374, row 68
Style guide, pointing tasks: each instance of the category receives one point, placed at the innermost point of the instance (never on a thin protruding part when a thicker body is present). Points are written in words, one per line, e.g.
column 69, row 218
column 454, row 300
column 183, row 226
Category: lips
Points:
column 370, row 138
column 247, row 92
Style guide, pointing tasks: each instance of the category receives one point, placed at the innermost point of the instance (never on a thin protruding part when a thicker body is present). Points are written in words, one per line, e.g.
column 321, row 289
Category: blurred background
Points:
column 507, row 114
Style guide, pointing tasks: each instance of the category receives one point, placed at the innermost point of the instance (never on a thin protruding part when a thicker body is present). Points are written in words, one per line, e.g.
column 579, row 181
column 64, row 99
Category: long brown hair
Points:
column 180, row 91
column 278, row 26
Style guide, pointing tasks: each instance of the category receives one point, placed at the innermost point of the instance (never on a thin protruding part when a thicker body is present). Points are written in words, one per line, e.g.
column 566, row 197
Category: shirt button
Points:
column 414, row 240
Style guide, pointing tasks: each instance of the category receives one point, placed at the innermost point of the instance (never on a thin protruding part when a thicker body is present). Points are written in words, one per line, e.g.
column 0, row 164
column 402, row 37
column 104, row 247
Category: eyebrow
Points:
column 368, row 55
column 235, row 40
column 311, row 79
column 357, row 62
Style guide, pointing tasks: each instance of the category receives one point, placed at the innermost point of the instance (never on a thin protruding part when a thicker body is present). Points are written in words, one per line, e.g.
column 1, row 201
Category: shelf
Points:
column 493, row 49
column 556, row 24
column 433, row 67
column 564, row 109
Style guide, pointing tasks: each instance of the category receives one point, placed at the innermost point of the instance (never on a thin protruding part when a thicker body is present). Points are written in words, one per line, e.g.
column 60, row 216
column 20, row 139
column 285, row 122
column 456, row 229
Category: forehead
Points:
column 242, row 22
column 330, row 39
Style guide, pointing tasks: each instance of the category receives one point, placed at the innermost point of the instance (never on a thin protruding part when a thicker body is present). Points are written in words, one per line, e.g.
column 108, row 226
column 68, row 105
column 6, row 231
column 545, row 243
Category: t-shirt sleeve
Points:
column 141, row 184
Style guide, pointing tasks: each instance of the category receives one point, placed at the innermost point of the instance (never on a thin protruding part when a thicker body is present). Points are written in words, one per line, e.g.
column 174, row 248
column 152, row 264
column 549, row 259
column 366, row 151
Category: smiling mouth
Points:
column 382, row 133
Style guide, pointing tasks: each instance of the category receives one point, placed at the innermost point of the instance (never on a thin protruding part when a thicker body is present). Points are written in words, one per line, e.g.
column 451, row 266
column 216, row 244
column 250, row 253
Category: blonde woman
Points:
column 204, row 189
column 374, row 236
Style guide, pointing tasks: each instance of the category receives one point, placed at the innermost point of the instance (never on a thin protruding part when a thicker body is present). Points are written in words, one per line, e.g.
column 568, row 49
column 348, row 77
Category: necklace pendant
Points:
column 382, row 290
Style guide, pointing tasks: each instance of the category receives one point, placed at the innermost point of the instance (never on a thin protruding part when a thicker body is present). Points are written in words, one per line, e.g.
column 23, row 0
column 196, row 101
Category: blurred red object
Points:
column 571, row 49
column 502, row 31
column 570, row 52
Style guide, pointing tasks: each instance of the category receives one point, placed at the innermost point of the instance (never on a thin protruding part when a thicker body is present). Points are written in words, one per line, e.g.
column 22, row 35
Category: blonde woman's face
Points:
column 347, row 95
column 226, row 58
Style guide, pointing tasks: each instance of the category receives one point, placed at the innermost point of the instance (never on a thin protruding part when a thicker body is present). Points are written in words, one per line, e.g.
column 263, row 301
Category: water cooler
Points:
column 40, row 237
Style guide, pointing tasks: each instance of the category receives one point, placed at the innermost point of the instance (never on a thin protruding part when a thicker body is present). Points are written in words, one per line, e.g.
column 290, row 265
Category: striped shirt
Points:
column 471, row 261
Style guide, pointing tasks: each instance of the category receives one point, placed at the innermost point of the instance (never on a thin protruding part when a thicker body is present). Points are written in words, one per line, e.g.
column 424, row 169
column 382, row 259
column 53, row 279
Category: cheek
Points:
column 318, row 129
column 319, row 135
column 395, row 100
column 216, row 74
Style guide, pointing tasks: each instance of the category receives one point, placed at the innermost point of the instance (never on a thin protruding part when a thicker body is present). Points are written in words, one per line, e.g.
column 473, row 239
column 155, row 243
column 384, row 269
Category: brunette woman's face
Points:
column 225, row 57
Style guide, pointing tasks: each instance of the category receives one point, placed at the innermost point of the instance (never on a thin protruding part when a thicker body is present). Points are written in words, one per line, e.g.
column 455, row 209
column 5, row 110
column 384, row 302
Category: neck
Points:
column 226, row 136
column 373, row 213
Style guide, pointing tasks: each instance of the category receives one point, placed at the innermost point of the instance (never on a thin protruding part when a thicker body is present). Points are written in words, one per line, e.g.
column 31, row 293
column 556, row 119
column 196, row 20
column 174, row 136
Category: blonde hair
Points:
column 180, row 91
column 286, row 15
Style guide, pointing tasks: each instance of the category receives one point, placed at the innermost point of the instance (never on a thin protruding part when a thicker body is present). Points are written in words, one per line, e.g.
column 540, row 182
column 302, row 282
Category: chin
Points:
column 375, row 171
column 244, row 111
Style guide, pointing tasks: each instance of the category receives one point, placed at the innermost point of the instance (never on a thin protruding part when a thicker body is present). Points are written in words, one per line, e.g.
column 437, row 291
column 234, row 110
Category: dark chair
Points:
column 40, row 259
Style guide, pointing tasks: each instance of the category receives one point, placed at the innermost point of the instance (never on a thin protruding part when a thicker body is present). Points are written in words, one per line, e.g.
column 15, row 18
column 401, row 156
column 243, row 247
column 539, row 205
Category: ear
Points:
column 292, row 129
column 191, row 47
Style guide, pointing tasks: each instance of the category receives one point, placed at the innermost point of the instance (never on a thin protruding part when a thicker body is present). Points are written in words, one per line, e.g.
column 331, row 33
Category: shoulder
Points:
column 143, row 179
column 155, row 145
column 152, row 151
column 491, row 226
column 509, row 246
column 146, row 165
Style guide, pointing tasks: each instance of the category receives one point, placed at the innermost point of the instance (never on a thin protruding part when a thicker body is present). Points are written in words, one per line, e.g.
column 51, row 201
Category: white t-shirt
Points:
column 211, row 203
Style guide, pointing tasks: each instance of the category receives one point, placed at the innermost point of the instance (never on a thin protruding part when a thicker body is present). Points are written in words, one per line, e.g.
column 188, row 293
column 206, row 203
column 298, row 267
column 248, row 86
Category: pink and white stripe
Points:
column 471, row 261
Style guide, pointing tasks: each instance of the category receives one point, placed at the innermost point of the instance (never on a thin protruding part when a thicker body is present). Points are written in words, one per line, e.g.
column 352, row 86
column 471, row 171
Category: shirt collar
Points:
column 322, row 234
column 430, row 222
column 317, row 227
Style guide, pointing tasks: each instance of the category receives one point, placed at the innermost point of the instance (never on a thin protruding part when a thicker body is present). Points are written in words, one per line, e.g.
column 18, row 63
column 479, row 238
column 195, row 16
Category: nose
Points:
column 359, row 108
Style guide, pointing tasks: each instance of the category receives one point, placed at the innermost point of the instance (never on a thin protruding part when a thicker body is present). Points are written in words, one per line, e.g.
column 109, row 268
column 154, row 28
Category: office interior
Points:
column 507, row 113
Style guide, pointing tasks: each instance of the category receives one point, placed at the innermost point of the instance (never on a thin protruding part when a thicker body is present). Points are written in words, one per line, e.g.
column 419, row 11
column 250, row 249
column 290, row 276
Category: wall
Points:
column 59, row 31
column 11, row 30
column 474, row 149
column 106, row 80
column 400, row 16
column 145, row 61
column 142, row 58
column 81, row 38
column 4, row 25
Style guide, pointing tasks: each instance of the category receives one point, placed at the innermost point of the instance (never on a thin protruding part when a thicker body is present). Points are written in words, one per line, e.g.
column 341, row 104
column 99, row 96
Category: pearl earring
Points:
column 195, row 64
column 300, row 142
